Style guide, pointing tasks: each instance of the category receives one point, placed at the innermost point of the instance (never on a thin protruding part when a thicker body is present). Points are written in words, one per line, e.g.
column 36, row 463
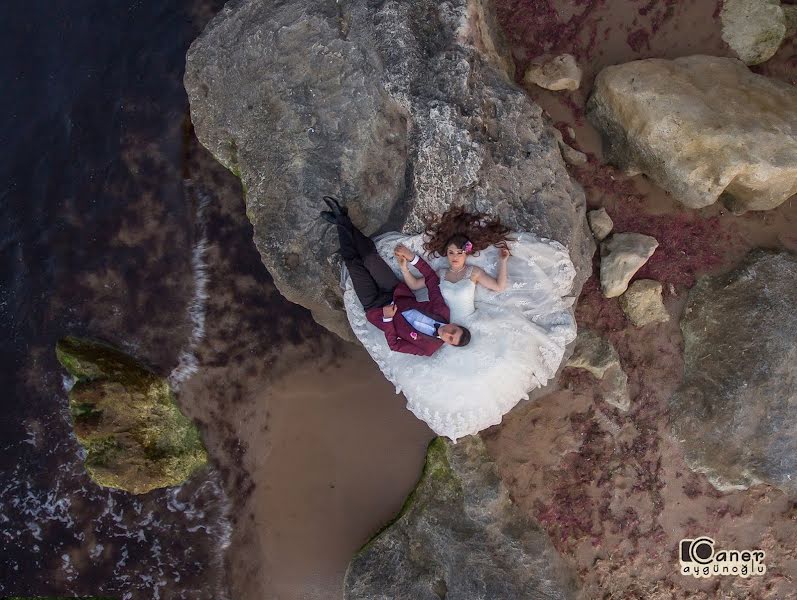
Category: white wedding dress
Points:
column 518, row 336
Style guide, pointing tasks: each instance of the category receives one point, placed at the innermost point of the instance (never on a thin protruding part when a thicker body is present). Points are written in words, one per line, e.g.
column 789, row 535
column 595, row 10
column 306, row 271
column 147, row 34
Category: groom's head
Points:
column 455, row 335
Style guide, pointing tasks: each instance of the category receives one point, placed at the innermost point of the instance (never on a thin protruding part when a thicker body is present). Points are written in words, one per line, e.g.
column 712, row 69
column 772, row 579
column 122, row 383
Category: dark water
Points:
column 102, row 236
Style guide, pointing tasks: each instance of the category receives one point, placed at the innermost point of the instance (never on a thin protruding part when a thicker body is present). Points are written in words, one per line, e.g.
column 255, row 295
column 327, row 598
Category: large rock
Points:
column 754, row 29
column 459, row 537
column 700, row 126
column 135, row 437
column 736, row 412
column 398, row 107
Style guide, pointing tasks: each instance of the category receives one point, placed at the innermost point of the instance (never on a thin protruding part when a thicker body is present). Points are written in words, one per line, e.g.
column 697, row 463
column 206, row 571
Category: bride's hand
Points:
column 402, row 262
column 402, row 251
column 503, row 251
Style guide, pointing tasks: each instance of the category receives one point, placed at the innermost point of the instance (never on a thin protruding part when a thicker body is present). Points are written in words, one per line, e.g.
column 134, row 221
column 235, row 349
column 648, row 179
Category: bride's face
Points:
column 456, row 257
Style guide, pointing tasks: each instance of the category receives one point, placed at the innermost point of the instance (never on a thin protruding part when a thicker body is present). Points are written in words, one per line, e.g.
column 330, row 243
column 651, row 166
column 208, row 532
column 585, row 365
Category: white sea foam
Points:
column 187, row 363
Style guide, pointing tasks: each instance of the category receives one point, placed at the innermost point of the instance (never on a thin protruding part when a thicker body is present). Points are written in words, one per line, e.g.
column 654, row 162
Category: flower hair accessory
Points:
column 468, row 247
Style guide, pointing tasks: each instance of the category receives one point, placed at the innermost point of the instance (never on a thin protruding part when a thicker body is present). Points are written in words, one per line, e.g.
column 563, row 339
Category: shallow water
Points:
column 100, row 238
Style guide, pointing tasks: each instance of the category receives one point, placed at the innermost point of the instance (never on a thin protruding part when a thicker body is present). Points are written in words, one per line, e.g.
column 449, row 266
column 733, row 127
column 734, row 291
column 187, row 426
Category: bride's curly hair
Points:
column 458, row 226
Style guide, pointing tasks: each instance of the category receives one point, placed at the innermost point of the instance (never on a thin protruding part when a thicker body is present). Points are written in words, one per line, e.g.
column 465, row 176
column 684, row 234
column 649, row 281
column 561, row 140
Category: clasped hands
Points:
column 403, row 254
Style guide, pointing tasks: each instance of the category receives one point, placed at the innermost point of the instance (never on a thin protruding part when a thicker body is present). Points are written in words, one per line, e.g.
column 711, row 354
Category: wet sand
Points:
column 316, row 449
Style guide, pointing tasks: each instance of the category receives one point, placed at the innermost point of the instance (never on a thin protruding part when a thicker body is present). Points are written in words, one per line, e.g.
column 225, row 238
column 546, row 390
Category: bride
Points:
column 512, row 293
column 446, row 237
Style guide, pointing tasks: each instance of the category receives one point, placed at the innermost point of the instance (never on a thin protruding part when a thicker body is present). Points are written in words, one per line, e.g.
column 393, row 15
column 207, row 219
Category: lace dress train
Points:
column 517, row 344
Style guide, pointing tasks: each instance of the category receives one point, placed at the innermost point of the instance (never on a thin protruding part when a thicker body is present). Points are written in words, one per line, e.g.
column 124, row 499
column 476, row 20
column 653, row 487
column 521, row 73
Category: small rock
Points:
column 622, row 255
column 754, row 29
column 597, row 355
column 570, row 154
column 642, row 303
column 559, row 73
column 601, row 223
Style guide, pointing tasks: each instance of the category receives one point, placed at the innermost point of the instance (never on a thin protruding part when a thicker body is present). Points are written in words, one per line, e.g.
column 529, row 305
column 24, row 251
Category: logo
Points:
column 413, row 335
column 699, row 558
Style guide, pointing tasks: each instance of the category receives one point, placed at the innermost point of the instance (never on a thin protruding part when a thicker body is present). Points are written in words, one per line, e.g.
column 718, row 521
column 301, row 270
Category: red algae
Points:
column 611, row 488
column 536, row 26
column 689, row 244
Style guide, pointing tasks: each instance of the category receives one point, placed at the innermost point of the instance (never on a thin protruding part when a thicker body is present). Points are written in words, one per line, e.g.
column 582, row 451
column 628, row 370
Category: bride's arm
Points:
column 495, row 284
column 414, row 283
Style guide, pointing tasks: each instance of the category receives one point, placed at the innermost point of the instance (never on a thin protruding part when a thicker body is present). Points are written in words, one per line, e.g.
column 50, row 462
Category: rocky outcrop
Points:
column 399, row 108
column 596, row 354
column 459, row 537
column 135, row 437
column 700, row 127
column 755, row 29
column 642, row 303
column 558, row 73
column 736, row 412
column 622, row 255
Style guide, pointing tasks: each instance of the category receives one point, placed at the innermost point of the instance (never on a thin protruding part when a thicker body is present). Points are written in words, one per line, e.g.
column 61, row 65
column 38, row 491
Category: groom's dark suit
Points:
column 376, row 286
column 400, row 335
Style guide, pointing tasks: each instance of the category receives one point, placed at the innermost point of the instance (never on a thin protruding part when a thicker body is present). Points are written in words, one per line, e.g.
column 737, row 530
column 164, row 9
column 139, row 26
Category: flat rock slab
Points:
column 736, row 412
column 459, row 537
column 700, row 127
column 399, row 108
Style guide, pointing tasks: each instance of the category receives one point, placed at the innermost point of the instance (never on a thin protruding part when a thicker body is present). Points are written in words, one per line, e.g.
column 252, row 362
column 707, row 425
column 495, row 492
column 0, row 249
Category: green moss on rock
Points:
column 125, row 416
column 437, row 481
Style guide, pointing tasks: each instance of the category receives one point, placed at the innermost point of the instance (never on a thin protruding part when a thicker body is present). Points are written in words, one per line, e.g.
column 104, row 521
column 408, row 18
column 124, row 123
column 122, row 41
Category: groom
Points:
column 410, row 326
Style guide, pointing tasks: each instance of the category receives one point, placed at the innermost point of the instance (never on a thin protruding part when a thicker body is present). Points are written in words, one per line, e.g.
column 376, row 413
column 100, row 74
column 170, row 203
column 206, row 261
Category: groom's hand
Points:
column 389, row 311
column 402, row 251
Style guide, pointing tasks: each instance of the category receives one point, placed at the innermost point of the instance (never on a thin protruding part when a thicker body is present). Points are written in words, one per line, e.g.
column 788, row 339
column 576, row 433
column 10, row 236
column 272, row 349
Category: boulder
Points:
column 559, row 73
column 399, row 108
column 736, row 412
column 754, row 29
column 597, row 355
column 642, row 303
column 601, row 223
column 125, row 417
column 459, row 537
column 622, row 255
column 700, row 127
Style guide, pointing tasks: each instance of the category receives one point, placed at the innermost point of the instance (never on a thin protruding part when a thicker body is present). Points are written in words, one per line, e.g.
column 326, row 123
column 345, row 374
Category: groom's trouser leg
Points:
column 373, row 280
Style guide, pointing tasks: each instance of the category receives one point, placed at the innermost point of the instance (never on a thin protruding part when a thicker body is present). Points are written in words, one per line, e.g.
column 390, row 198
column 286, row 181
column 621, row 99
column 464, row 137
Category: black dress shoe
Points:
column 335, row 206
column 329, row 217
